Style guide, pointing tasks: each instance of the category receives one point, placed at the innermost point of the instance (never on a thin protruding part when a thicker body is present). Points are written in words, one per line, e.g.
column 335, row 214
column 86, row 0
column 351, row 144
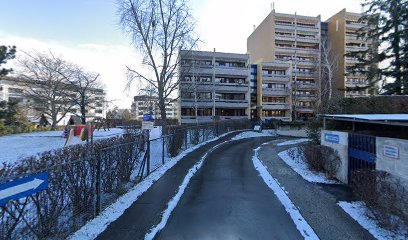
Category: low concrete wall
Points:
column 339, row 142
column 392, row 157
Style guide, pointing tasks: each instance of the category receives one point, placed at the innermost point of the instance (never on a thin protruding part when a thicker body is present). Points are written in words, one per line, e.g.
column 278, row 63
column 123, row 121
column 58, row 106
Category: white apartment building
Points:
column 144, row 104
column 13, row 89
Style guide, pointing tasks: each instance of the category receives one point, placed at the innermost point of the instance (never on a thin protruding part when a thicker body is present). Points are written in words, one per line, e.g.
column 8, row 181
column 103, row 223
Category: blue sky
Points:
column 86, row 32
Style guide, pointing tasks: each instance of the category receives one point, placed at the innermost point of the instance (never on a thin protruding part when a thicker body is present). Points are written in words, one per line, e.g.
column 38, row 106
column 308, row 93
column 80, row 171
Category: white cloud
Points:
column 109, row 61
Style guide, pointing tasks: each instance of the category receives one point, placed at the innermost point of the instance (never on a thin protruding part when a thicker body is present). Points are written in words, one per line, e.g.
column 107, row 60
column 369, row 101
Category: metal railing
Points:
column 84, row 179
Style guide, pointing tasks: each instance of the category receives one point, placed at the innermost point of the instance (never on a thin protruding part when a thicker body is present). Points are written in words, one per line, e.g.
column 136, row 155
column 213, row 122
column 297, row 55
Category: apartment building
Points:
column 213, row 85
column 13, row 89
column 344, row 39
column 144, row 104
column 285, row 48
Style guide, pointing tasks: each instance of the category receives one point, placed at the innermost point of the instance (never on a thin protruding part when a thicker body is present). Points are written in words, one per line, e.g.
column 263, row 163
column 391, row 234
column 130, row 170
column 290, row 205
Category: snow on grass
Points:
column 359, row 211
column 252, row 134
column 18, row 146
column 301, row 224
column 300, row 166
column 97, row 225
column 291, row 142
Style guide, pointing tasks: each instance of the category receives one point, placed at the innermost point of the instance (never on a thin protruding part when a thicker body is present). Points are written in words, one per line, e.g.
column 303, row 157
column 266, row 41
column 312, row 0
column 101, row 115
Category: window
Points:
column 273, row 99
column 230, row 96
column 15, row 90
column 200, row 112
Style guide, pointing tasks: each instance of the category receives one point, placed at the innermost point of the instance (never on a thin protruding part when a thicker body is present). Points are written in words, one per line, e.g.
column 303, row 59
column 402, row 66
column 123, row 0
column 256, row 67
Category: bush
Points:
column 385, row 195
column 318, row 158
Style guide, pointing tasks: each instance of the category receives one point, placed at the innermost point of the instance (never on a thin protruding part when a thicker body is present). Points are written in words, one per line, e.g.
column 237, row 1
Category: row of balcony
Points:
column 297, row 38
column 208, row 103
column 297, row 27
column 218, row 87
column 292, row 50
column 219, row 71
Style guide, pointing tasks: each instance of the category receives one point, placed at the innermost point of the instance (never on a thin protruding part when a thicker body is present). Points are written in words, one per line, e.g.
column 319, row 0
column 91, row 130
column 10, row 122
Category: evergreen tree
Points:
column 6, row 53
column 387, row 25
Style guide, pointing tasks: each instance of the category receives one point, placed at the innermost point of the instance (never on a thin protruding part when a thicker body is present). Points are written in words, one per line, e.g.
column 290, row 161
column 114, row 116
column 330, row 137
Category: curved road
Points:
column 227, row 199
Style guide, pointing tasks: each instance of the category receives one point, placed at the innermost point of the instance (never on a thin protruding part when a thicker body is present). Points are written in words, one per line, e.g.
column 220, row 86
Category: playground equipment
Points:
column 83, row 131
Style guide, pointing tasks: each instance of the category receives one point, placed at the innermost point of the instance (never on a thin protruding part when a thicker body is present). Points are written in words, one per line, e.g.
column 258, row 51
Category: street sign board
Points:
column 333, row 138
column 147, row 125
column 148, row 118
column 23, row 187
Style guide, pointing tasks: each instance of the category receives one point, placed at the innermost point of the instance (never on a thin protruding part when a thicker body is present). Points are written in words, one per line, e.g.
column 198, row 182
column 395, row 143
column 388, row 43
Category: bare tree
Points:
column 159, row 29
column 329, row 66
column 45, row 77
column 84, row 88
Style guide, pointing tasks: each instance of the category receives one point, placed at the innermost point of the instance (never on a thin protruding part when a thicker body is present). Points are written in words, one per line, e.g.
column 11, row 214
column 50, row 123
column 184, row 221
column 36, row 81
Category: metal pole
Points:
column 213, row 78
column 163, row 150
column 148, row 158
column 98, row 184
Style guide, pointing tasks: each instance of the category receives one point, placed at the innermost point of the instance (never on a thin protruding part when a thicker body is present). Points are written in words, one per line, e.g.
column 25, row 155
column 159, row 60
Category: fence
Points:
column 85, row 179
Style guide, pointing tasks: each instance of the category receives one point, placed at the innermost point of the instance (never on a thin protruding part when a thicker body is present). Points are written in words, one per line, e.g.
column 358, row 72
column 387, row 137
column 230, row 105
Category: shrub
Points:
column 313, row 128
column 386, row 196
column 320, row 158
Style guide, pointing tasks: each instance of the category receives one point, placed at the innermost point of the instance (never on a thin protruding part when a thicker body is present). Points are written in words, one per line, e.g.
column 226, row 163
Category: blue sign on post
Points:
column 23, row 187
column 333, row 138
column 148, row 118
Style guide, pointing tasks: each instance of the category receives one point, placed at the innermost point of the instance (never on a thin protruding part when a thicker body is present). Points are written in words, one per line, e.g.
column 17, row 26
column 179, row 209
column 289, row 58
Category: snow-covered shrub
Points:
column 386, row 196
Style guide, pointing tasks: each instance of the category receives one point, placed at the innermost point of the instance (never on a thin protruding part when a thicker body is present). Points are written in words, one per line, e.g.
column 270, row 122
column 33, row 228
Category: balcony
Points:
column 219, row 103
column 355, row 26
column 190, row 103
column 222, row 71
column 306, row 86
column 275, row 91
column 297, row 27
column 277, row 118
column 305, row 74
column 192, row 119
column 305, row 97
column 276, row 78
column 275, row 106
column 284, row 37
column 305, row 109
column 356, row 49
column 232, row 87
column 292, row 50
column 233, row 117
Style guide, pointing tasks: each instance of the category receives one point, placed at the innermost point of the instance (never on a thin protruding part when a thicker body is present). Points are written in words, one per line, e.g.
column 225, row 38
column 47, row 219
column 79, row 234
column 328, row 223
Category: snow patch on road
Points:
column 301, row 224
column 175, row 200
column 97, row 225
column 359, row 212
column 291, row 142
column 300, row 166
column 253, row 134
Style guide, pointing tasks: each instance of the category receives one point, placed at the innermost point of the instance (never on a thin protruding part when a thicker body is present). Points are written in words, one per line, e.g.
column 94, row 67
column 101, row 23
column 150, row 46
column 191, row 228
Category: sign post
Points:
column 23, row 187
column 148, row 121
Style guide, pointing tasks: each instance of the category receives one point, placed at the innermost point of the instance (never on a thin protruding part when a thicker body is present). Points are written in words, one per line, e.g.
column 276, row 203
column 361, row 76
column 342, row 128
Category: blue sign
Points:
column 23, row 187
column 148, row 118
column 333, row 138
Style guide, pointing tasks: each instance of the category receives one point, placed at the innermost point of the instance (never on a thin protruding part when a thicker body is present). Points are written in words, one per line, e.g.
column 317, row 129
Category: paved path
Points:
column 227, row 199
column 317, row 202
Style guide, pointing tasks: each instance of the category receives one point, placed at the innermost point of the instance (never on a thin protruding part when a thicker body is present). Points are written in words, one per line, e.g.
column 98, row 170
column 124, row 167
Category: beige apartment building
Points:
column 286, row 51
column 213, row 85
column 343, row 37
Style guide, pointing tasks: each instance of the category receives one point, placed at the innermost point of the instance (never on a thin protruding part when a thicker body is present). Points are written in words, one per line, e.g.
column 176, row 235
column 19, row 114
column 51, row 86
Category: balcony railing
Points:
column 277, row 78
column 275, row 91
column 275, row 106
column 355, row 49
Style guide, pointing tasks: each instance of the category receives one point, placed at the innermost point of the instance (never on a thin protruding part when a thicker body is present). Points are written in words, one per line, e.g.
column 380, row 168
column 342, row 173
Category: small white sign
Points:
column 147, row 125
column 391, row 151
column 257, row 128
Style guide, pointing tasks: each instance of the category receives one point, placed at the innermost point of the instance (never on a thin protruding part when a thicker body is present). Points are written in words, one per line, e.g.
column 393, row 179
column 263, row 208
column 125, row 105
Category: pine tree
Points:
column 6, row 53
column 387, row 25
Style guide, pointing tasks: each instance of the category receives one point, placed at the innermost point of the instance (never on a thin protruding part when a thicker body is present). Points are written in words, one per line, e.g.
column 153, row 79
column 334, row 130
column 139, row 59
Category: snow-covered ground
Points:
column 359, row 211
column 18, row 146
column 292, row 133
column 291, row 142
column 252, row 134
column 300, row 166
column 301, row 224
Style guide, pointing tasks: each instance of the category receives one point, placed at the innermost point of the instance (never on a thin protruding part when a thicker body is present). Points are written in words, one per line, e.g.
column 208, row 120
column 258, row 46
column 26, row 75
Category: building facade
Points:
column 343, row 30
column 144, row 104
column 285, row 48
column 213, row 85
column 14, row 89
